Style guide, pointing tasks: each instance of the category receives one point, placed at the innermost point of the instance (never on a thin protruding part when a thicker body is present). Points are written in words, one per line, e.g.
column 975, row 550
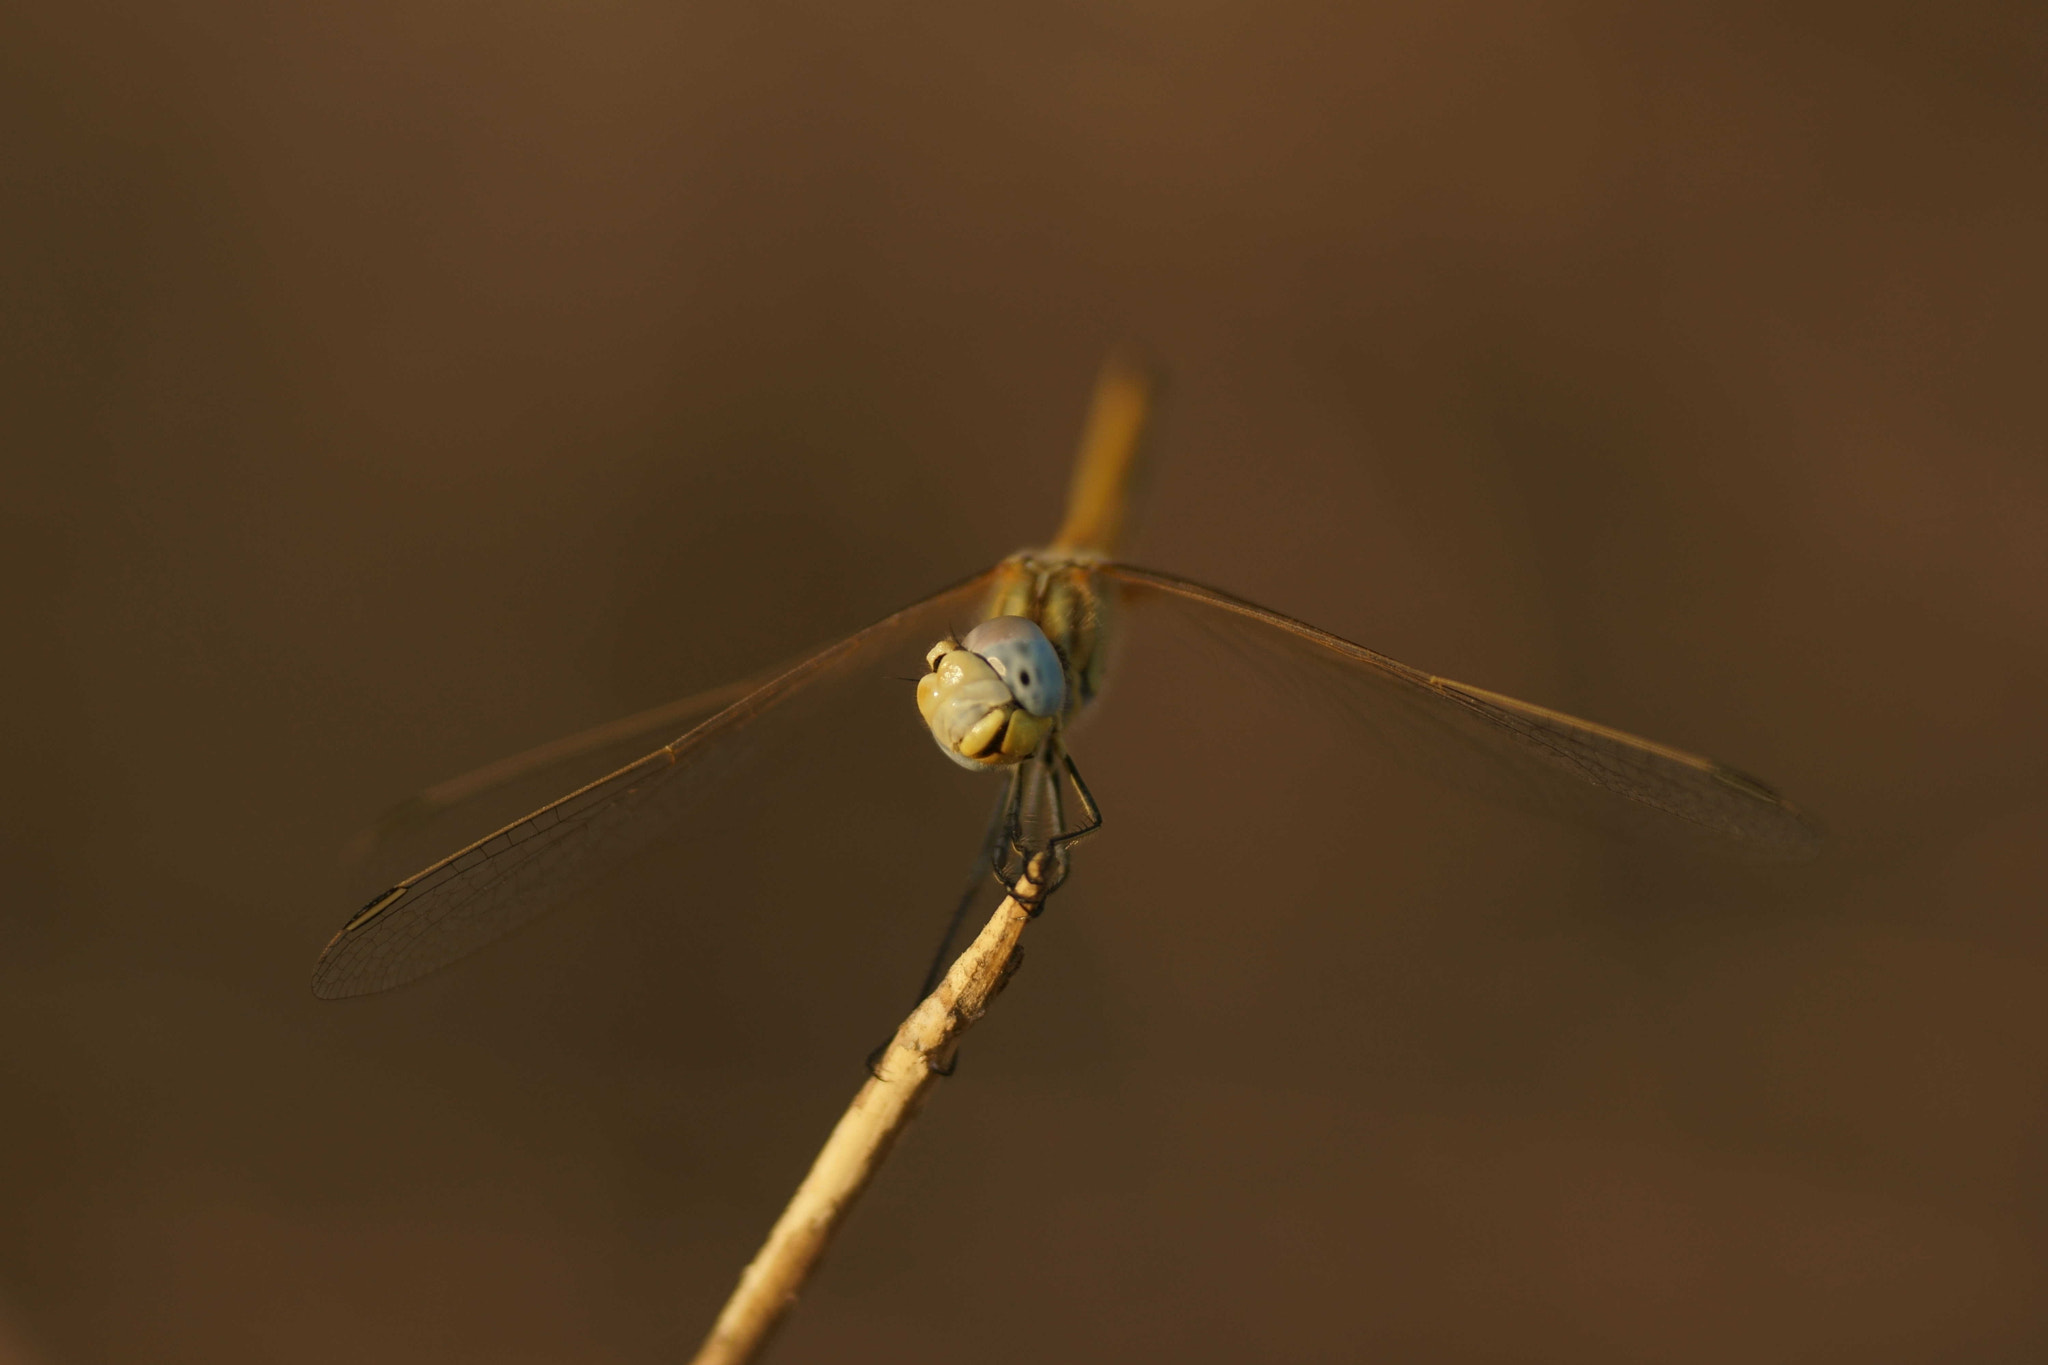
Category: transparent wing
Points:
column 1511, row 750
column 507, row 878
column 425, row 807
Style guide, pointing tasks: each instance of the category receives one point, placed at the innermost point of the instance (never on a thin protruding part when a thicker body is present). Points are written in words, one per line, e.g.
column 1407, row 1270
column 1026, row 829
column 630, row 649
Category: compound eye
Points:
column 1024, row 659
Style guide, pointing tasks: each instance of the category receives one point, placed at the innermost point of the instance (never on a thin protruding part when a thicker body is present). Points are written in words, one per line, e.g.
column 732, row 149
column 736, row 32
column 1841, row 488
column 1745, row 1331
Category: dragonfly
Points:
column 1002, row 696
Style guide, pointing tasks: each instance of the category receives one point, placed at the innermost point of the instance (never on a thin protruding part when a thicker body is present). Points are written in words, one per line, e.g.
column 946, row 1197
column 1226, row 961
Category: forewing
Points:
column 1475, row 739
column 456, row 794
column 507, row 878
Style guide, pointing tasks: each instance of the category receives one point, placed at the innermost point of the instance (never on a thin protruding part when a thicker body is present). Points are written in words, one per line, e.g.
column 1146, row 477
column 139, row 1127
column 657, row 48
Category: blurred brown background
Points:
column 392, row 387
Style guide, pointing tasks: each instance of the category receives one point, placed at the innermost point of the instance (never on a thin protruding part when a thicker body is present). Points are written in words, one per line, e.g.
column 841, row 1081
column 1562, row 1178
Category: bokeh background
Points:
column 392, row 387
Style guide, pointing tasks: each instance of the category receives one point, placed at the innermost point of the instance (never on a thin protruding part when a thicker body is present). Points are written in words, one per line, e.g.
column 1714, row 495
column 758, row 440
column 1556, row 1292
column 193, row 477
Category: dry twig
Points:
column 918, row 1054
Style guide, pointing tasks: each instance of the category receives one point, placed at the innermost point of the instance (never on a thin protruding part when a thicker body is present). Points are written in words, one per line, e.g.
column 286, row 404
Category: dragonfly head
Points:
column 992, row 698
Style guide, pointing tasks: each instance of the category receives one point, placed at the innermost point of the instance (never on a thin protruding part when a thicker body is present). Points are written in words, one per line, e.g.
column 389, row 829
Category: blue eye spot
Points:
column 1020, row 654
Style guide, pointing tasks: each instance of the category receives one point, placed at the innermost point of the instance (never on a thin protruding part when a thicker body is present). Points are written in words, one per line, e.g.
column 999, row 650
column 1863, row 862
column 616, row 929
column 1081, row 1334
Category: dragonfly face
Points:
column 971, row 699
column 995, row 695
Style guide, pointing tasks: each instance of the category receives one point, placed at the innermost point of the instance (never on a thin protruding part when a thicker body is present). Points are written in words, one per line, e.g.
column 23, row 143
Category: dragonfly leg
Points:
column 1091, row 811
column 1044, row 867
column 1008, row 853
column 1026, row 865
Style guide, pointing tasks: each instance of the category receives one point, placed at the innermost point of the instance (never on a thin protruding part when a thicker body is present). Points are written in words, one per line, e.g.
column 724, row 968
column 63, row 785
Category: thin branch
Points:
column 918, row 1054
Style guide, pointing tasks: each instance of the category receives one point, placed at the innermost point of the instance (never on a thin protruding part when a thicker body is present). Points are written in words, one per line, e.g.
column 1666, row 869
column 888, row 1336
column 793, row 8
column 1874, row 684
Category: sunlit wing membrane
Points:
column 424, row 807
column 507, row 878
column 1476, row 739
